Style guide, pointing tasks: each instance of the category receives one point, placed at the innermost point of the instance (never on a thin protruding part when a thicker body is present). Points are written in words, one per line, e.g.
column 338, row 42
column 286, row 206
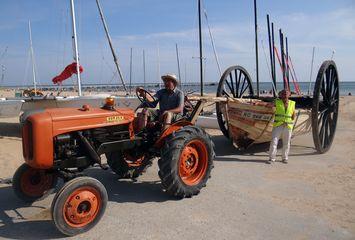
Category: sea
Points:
column 345, row 88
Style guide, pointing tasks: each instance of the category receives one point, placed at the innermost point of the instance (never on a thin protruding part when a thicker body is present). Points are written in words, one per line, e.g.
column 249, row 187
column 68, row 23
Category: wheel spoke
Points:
column 246, row 88
column 321, row 122
column 335, row 90
column 240, row 75
column 325, row 129
column 320, row 116
column 232, row 84
column 237, row 80
column 244, row 80
column 332, row 83
column 321, row 133
column 328, row 75
column 229, row 86
column 225, row 93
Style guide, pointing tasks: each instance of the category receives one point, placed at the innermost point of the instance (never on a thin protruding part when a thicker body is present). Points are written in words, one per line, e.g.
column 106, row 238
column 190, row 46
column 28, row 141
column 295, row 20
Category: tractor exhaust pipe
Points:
column 91, row 151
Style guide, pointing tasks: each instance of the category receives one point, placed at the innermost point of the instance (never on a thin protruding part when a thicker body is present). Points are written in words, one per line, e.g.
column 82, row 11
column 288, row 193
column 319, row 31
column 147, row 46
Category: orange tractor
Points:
column 62, row 142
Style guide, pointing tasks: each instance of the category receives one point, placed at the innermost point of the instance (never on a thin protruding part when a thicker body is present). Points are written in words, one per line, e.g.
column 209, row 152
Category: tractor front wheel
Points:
column 79, row 205
column 30, row 184
column 186, row 162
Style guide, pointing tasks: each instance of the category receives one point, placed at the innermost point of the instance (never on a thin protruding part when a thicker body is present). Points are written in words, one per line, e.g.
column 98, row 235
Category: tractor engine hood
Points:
column 40, row 128
column 72, row 119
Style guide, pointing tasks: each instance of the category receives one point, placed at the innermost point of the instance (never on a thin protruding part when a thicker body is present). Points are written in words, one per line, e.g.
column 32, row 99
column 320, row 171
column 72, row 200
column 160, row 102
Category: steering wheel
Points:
column 145, row 102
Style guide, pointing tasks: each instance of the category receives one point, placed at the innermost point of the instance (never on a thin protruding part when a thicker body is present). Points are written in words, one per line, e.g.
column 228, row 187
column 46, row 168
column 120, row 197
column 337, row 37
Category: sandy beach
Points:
column 313, row 197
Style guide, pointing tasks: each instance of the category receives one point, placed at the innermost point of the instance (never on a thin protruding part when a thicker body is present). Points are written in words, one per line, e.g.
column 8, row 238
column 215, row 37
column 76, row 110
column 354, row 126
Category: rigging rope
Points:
column 294, row 80
column 212, row 41
column 268, row 66
column 294, row 72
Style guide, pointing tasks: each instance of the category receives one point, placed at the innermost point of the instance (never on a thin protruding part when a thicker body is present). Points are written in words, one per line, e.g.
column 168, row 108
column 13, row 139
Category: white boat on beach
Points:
column 10, row 108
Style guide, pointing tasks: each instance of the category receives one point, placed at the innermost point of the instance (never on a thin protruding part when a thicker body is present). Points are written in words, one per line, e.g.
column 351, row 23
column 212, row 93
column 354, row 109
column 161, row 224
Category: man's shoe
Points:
column 285, row 161
column 270, row 161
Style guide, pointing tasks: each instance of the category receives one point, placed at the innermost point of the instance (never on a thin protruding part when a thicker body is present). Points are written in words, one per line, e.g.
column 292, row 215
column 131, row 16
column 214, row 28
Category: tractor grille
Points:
column 27, row 140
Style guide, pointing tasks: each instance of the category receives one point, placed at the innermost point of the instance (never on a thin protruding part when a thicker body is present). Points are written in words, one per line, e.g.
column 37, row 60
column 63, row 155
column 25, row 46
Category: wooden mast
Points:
column 256, row 47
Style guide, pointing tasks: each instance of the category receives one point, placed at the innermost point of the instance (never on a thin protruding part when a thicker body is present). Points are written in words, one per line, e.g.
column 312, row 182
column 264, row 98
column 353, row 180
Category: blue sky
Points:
column 151, row 24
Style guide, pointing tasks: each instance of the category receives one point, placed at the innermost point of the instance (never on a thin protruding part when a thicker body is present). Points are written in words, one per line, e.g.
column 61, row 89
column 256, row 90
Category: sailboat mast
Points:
column 200, row 42
column 115, row 59
column 130, row 71
column 144, row 69
column 256, row 47
column 158, row 70
column 178, row 63
column 32, row 59
column 76, row 51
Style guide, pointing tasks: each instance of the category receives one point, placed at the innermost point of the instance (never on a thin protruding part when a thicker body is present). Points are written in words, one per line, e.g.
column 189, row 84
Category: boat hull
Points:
column 251, row 121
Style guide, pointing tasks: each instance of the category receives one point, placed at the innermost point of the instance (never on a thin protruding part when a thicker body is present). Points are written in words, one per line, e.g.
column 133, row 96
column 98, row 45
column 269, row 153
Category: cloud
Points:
column 234, row 42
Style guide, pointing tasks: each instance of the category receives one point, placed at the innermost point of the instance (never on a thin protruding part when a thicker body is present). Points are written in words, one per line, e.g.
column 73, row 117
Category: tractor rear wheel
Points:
column 31, row 184
column 126, row 166
column 79, row 205
column 186, row 162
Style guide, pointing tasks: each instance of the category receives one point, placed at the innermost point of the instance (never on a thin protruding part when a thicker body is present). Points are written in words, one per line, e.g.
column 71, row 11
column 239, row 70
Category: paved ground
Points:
column 313, row 197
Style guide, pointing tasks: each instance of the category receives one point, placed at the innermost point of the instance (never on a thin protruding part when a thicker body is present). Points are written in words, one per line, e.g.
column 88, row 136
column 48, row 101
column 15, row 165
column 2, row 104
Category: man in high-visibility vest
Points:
column 283, row 125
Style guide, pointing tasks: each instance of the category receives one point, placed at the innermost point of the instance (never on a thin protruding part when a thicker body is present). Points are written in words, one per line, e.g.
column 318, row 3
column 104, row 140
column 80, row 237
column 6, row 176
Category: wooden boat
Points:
column 251, row 121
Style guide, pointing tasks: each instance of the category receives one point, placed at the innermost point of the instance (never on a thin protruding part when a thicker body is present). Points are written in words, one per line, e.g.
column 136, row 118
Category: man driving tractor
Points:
column 171, row 103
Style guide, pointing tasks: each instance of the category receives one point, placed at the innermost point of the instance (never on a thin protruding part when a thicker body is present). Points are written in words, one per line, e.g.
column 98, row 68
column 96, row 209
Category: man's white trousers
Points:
column 285, row 133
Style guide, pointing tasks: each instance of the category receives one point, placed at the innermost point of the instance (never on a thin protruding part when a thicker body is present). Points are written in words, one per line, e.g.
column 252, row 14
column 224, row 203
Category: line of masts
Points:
column 76, row 51
column 284, row 59
column 284, row 54
column 286, row 64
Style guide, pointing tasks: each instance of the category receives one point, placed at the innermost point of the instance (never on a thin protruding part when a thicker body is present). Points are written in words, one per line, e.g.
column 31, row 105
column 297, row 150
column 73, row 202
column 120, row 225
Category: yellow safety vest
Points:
column 283, row 115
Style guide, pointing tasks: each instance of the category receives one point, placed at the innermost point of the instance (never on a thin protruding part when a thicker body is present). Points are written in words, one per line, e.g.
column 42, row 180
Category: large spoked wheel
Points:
column 325, row 106
column 31, row 184
column 235, row 83
column 79, row 205
column 186, row 162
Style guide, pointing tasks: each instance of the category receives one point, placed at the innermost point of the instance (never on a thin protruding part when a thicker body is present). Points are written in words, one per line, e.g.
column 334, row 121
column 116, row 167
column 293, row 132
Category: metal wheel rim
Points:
column 193, row 162
column 74, row 213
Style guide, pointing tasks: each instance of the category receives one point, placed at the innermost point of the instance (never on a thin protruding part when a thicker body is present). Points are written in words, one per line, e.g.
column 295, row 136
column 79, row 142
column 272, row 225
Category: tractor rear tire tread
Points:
column 169, row 161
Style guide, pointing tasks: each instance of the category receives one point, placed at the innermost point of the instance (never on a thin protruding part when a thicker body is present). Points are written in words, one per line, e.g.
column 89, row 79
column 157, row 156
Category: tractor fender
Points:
column 167, row 132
